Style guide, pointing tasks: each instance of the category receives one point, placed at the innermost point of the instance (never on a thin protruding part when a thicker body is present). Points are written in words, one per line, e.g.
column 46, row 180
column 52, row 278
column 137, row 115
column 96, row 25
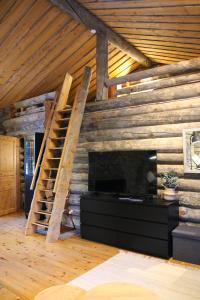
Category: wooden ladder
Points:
column 58, row 149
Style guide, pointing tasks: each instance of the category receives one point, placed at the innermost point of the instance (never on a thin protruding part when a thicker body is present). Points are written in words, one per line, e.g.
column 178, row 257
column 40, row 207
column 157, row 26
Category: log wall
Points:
column 149, row 120
column 25, row 117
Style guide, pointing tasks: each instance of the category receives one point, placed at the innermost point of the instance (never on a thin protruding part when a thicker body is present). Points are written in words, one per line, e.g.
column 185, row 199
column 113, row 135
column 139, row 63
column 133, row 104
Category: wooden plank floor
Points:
column 29, row 264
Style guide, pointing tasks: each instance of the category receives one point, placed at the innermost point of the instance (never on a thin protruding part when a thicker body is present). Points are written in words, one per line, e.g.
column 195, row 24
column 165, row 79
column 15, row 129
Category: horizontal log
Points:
column 81, row 160
column 25, row 132
column 32, row 110
column 74, row 199
column 160, row 84
column 81, row 165
column 180, row 116
column 163, row 158
column 26, row 119
column 81, row 139
column 39, row 124
column 166, row 94
column 80, row 154
column 191, row 185
column 35, row 100
column 80, row 188
column 178, row 68
column 138, row 132
column 147, row 144
column 169, row 151
column 80, row 168
column 27, row 127
column 189, row 214
column 144, row 109
column 80, row 176
column 127, row 136
column 179, row 169
column 189, row 199
column 80, row 149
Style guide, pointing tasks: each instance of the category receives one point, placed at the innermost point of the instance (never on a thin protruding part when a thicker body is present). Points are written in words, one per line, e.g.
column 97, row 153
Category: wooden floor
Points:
column 29, row 265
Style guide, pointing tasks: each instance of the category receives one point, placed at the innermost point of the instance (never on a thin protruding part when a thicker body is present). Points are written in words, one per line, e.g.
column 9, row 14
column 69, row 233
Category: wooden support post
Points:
column 101, row 66
column 112, row 90
column 47, row 109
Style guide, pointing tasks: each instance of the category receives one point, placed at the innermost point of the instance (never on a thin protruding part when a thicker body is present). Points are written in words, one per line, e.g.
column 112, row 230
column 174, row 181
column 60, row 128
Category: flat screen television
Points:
column 123, row 172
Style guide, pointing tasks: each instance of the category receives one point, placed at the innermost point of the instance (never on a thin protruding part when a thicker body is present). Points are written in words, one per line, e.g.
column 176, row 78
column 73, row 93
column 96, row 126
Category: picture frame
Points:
column 191, row 150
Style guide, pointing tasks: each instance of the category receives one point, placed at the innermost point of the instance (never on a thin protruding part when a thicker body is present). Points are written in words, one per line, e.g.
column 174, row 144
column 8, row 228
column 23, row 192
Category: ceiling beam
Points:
column 82, row 15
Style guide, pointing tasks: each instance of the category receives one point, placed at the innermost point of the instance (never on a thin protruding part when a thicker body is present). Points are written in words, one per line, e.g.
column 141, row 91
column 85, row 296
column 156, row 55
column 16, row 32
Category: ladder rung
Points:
column 46, row 190
column 60, row 129
column 53, row 158
column 43, row 212
column 45, row 201
column 41, row 224
column 58, row 138
column 64, row 110
column 63, row 120
column 51, row 169
column 49, row 179
column 55, row 148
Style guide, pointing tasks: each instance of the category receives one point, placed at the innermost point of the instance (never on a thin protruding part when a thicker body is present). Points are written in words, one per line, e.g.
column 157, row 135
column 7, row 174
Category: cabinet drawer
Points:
column 144, row 228
column 128, row 241
column 126, row 210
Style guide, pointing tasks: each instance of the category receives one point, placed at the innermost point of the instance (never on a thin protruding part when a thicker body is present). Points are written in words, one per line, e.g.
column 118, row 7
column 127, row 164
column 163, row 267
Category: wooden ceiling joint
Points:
column 81, row 14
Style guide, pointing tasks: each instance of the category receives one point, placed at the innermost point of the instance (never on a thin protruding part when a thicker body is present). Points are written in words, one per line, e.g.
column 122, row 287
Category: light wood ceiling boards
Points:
column 167, row 31
column 39, row 44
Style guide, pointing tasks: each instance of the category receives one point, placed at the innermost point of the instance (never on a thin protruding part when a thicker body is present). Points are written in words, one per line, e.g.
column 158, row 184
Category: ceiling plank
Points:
column 159, row 11
column 81, row 14
column 96, row 5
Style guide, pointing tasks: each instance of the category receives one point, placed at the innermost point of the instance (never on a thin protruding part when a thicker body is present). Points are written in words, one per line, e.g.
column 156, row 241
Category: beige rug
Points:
column 169, row 281
column 107, row 291
column 120, row 291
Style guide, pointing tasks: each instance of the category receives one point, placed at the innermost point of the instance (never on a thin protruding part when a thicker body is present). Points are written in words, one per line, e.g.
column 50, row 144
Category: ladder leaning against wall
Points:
column 56, row 158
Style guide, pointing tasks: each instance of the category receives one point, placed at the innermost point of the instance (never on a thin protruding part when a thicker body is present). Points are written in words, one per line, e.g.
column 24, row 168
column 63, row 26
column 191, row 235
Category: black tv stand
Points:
column 132, row 199
column 134, row 223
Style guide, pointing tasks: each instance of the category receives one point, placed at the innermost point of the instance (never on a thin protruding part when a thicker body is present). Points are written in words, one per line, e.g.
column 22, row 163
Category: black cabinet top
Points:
column 147, row 200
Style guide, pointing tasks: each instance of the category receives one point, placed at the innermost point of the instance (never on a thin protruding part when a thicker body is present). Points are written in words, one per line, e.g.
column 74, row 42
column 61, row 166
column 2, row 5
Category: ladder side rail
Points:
column 61, row 164
column 60, row 104
column 46, row 135
column 66, row 166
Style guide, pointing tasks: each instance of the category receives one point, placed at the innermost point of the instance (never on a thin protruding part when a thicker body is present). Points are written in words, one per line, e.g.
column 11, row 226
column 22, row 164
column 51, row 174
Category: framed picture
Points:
column 191, row 150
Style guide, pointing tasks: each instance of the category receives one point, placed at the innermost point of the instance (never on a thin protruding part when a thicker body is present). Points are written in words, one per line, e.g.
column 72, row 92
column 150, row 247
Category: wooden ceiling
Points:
column 167, row 31
column 39, row 43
